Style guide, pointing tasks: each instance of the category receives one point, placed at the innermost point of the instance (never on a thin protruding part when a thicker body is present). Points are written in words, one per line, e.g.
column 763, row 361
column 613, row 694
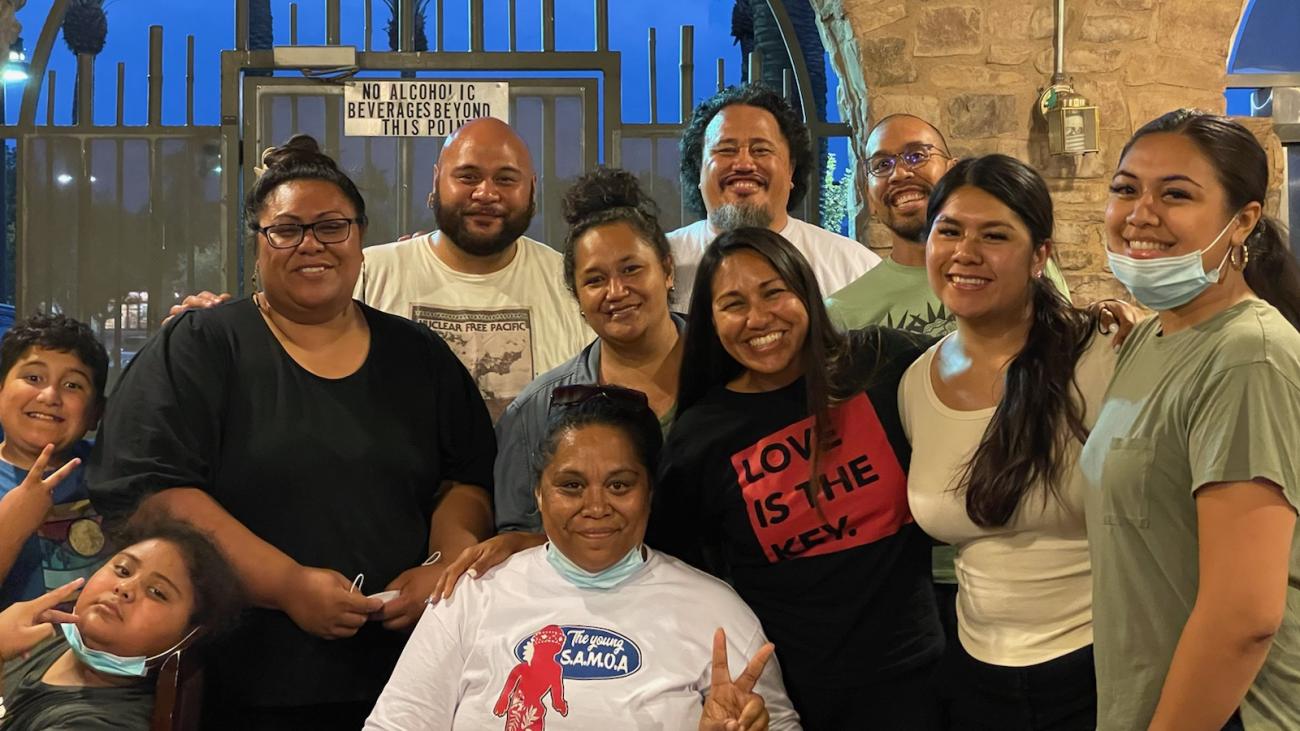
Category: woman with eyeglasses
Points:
column 318, row 440
column 593, row 630
column 618, row 265
column 786, row 471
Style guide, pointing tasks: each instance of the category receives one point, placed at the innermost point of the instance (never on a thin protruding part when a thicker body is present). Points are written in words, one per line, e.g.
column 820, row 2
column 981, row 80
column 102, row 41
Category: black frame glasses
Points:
column 572, row 395
column 291, row 235
column 882, row 164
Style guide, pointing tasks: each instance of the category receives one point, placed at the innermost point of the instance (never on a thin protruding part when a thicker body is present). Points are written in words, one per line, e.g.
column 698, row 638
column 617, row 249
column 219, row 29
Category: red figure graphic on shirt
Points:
column 530, row 681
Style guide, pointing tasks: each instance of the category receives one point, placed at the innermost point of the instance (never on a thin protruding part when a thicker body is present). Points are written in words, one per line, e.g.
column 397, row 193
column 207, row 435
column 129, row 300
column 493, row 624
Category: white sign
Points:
column 423, row 108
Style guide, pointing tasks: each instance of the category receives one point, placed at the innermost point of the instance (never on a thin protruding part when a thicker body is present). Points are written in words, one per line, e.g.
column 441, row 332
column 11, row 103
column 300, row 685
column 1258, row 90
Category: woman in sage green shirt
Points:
column 1192, row 468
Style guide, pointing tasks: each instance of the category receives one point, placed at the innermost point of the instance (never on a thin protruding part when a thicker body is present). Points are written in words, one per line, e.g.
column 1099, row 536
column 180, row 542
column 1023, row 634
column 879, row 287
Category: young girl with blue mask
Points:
column 1192, row 475
column 167, row 589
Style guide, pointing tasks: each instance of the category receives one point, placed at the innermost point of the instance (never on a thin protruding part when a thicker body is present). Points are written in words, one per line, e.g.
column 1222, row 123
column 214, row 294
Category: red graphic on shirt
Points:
column 862, row 493
column 530, row 681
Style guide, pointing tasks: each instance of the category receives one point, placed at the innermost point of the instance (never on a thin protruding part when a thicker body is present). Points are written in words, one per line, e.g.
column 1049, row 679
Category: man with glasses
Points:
column 906, row 157
column 746, row 160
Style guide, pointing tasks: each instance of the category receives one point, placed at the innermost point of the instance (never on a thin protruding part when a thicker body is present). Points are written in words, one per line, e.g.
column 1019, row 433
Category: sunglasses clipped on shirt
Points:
column 566, row 396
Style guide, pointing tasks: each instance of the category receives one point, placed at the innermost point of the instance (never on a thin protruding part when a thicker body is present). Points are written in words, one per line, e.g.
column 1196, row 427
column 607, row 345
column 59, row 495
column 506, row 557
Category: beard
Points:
column 451, row 222
column 911, row 228
column 731, row 216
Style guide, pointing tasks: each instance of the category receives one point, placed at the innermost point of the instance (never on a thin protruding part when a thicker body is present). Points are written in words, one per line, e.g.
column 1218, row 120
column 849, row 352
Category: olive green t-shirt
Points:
column 1219, row 402
column 29, row 704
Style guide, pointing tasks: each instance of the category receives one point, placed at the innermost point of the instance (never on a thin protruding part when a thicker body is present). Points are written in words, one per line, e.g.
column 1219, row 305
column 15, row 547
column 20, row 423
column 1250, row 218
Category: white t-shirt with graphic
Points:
column 835, row 260
column 507, row 327
column 523, row 649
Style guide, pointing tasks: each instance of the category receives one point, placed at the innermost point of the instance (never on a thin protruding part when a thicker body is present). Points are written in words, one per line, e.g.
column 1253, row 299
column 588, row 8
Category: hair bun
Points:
column 299, row 148
column 605, row 188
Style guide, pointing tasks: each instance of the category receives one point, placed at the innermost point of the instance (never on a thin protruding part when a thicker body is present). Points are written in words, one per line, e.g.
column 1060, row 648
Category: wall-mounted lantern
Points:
column 1072, row 122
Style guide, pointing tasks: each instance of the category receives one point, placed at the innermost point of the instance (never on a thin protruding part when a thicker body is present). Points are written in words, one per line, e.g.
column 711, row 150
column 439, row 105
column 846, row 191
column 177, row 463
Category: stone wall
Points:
column 10, row 28
column 975, row 68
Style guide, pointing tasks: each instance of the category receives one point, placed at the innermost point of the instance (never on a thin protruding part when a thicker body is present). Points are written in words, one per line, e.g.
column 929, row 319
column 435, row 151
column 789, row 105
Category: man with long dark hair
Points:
column 746, row 162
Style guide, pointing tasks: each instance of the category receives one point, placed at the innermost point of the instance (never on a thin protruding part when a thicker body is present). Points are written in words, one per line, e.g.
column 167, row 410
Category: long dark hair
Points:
column 1242, row 168
column 1025, row 443
column 706, row 364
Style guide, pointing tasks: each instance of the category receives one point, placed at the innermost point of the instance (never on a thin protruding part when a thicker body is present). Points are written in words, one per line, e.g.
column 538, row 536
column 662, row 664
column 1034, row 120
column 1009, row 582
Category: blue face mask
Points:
column 1167, row 282
column 107, row 662
column 583, row 579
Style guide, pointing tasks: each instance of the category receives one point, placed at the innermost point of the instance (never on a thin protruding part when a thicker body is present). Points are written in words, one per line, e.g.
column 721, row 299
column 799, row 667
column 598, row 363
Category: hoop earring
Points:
column 1239, row 262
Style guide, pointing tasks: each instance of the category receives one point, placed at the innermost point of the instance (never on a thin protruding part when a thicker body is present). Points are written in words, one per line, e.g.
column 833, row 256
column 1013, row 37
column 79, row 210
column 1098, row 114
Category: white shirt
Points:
column 1024, row 589
column 507, row 327
column 835, row 260
column 522, row 648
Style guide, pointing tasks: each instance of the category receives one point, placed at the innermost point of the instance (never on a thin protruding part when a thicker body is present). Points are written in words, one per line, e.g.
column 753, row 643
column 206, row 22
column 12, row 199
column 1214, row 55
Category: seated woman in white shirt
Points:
column 593, row 629
column 997, row 413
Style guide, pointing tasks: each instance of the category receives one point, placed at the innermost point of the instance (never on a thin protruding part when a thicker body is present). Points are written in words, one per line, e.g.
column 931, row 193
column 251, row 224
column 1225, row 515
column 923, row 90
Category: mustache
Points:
column 489, row 210
column 744, row 176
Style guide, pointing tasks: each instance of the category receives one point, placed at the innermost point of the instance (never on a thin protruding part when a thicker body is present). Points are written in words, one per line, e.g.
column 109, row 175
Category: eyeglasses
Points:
column 576, row 394
column 289, row 235
column 882, row 165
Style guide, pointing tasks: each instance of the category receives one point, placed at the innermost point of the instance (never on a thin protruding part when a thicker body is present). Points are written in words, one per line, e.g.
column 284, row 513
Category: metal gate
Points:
column 116, row 222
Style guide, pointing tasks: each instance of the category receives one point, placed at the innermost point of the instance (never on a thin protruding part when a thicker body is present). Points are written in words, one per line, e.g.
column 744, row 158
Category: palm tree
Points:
column 85, row 27
column 260, row 35
column 421, row 40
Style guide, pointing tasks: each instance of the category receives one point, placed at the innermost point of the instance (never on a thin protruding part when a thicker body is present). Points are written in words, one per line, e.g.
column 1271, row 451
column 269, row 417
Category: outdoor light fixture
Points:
column 1072, row 122
column 15, row 68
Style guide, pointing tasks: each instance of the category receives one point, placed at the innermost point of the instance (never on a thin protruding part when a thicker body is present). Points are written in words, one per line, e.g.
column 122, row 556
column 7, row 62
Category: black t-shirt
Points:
column 337, row 473
column 845, row 593
column 32, row 705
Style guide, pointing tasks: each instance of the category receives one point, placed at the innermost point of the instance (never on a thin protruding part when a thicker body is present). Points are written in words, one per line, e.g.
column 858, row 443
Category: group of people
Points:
column 754, row 477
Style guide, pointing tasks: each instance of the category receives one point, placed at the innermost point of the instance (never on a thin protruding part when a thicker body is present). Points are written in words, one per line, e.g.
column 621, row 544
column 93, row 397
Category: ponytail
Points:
column 1026, row 441
column 1024, row 445
column 1271, row 269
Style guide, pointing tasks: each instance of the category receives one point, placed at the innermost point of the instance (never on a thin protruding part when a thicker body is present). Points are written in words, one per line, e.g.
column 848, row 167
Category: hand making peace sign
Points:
column 23, row 508
column 732, row 705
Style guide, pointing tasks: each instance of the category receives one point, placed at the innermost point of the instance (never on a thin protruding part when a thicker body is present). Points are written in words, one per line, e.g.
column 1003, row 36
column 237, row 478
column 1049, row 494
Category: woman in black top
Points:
column 835, row 569
column 313, row 437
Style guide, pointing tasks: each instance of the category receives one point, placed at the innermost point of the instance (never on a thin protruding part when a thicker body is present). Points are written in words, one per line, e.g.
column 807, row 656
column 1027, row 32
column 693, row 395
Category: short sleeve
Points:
column 162, row 426
column 466, row 441
column 1244, row 426
column 516, row 508
column 424, row 689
